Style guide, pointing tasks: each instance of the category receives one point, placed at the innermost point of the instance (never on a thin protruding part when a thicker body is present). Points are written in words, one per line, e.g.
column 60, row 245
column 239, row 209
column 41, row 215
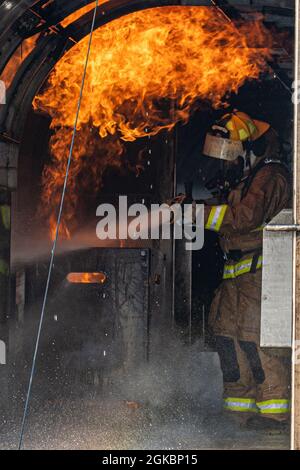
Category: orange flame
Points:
column 175, row 55
column 77, row 14
column 86, row 278
column 17, row 59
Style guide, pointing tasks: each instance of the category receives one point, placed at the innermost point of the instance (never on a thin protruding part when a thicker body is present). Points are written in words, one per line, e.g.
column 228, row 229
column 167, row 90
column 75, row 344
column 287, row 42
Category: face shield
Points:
column 222, row 148
column 231, row 157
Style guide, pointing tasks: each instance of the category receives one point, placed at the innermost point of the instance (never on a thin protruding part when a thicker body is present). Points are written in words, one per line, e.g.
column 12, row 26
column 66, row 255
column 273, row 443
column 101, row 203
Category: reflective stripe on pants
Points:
column 265, row 407
column 240, row 404
column 274, row 406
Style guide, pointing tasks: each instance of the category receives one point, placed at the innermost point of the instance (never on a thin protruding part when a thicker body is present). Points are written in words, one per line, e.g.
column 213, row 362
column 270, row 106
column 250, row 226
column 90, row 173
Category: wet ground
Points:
column 143, row 412
column 111, row 424
column 87, row 398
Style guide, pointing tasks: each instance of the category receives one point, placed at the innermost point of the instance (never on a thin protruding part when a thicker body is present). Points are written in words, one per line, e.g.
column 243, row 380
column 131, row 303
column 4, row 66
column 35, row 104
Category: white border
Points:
column 296, row 189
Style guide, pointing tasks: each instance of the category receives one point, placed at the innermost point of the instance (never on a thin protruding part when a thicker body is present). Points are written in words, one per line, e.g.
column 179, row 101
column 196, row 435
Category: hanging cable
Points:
column 57, row 232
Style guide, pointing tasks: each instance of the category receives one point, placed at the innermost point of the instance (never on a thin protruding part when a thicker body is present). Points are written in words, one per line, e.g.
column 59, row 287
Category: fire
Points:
column 86, row 278
column 175, row 56
column 77, row 14
column 17, row 59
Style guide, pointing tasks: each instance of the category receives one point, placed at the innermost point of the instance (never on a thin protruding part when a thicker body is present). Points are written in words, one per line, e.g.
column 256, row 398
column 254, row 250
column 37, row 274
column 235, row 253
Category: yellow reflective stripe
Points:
column 241, row 400
column 274, row 406
column 216, row 217
column 229, row 126
column 232, row 271
column 240, row 404
column 243, row 134
column 252, row 127
column 221, row 216
column 5, row 215
column 4, row 268
column 274, row 410
column 240, row 408
column 209, row 222
column 228, row 274
column 265, row 407
column 242, row 267
column 279, row 401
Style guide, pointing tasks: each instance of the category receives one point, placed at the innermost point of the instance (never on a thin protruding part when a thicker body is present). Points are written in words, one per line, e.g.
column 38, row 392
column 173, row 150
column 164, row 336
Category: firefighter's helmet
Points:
column 225, row 140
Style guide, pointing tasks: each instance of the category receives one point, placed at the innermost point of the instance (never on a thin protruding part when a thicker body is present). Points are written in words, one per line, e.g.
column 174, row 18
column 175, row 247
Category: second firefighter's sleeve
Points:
column 267, row 195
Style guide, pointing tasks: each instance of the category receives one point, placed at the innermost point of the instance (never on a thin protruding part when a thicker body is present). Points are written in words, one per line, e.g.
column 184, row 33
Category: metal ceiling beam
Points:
column 11, row 12
column 24, row 17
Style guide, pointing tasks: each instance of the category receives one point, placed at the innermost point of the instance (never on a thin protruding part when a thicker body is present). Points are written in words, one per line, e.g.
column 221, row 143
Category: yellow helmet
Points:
column 242, row 127
column 225, row 140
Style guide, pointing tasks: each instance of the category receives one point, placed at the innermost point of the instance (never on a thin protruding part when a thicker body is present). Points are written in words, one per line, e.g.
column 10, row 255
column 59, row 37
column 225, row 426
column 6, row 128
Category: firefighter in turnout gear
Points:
column 256, row 380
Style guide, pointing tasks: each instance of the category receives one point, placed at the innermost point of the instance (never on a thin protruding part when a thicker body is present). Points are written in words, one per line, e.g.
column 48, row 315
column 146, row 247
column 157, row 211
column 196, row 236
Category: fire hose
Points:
column 69, row 161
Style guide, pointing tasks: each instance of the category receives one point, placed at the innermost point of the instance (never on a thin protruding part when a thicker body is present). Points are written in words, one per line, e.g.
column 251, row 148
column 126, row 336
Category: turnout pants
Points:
column 256, row 380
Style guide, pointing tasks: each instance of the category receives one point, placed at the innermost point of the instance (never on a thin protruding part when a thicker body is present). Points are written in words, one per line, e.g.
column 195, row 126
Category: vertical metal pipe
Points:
column 190, row 299
column 174, row 192
column 173, row 257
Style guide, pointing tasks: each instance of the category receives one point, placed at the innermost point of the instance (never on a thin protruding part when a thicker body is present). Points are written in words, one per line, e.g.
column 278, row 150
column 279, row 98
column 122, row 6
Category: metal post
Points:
column 4, row 253
column 4, row 287
column 8, row 182
column 296, row 333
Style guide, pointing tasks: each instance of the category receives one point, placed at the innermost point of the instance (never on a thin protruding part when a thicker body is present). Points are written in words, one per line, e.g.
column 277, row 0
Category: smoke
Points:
column 36, row 246
column 176, row 371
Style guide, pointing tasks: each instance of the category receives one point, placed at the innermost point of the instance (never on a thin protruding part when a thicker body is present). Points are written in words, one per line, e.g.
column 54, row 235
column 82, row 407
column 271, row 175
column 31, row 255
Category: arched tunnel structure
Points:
column 43, row 20
column 25, row 19
column 152, row 294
